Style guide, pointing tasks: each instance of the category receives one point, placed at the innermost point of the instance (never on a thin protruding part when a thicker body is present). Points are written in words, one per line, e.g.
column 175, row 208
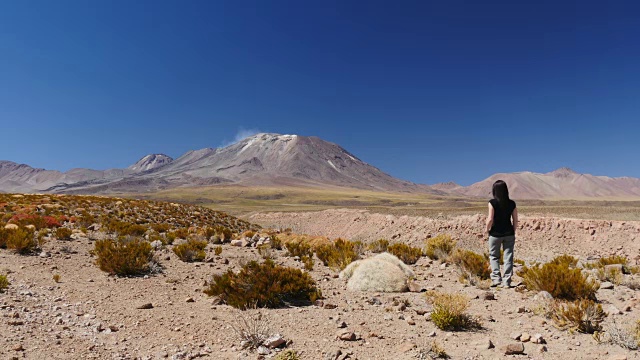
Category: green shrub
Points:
column 439, row 247
column 217, row 250
column 63, row 233
column 409, row 255
column 379, row 246
column 192, row 250
column 582, row 315
column 263, row 285
column 22, row 241
column 4, row 283
column 449, row 311
column 470, row 265
column 337, row 255
column 125, row 256
column 561, row 281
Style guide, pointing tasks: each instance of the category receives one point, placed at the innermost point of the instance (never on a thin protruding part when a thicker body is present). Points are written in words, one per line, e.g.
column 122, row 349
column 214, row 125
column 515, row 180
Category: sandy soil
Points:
column 90, row 315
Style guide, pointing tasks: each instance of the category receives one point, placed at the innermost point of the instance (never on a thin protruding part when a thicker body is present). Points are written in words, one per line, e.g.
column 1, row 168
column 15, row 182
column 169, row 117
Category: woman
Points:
column 502, row 233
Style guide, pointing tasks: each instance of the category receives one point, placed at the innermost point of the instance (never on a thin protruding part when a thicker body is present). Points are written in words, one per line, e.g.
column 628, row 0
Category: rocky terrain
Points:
column 60, row 305
column 538, row 238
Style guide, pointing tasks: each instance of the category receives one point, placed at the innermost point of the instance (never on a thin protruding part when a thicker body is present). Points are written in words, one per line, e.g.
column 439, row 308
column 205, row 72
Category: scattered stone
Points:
column 410, row 320
column 432, row 334
column 190, row 300
column 347, row 336
column 275, row 341
column 485, row 344
column 488, row 295
column 514, row 349
column 145, row 306
column 330, row 306
column 263, row 350
column 543, row 295
column 606, row 285
column 18, row 347
column 538, row 339
column 516, row 336
column 525, row 337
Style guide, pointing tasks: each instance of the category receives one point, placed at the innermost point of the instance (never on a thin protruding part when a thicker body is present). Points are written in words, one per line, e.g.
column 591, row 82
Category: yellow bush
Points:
column 449, row 311
column 439, row 247
column 125, row 256
column 264, row 285
column 4, row 283
column 470, row 265
column 582, row 315
column 614, row 275
column 379, row 246
column 565, row 260
column 192, row 250
column 217, row 250
column 63, row 233
column 21, row 240
column 637, row 332
column 287, row 355
column 614, row 259
column 408, row 254
column 338, row 254
column 561, row 281
column 299, row 249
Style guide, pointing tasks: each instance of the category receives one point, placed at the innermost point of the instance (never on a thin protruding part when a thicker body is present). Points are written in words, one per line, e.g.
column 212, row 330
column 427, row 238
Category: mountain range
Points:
column 272, row 159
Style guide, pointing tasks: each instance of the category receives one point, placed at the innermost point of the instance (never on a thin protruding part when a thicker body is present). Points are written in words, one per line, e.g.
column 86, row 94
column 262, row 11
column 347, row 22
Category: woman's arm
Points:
column 514, row 215
column 490, row 218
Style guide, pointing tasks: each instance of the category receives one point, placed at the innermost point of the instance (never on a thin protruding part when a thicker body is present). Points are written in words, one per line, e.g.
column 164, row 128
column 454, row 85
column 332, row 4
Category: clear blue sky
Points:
column 428, row 91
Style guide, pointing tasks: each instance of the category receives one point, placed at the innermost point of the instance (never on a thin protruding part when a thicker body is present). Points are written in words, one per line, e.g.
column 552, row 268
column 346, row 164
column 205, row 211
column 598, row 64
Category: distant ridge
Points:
column 262, row 159
column 563, row 183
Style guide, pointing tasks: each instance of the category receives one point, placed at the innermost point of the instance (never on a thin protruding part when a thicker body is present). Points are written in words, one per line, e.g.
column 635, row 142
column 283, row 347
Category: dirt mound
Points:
column 538, row 237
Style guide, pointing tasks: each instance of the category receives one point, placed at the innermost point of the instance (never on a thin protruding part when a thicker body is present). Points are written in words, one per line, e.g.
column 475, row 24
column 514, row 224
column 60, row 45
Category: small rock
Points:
column 263, row 350
column 275, row 341
column 488, row 295
column 485, row 344
column 516, row 336
column 432, row 334
column 410, row 320
column 525, row 337
column 145, row 306
column 330, row 306
column 347, row 336
column 18, row 347
column 522, row 310
column 443, row 266
column 190, row 300
column 606, row 285
column 514, row 349
column 342, row 325
column 538, row 339
column 542, row 349
column 543, row 295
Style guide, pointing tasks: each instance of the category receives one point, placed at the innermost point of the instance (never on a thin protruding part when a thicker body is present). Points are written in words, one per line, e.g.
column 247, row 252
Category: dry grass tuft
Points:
column 439, row 247
column 582, row 315
column 192, row 250
column 338, row 254
column 449, row 311
column 264, row 285
column 409, row 255
column 560, row 280
column 125, row 256
column 473, row 267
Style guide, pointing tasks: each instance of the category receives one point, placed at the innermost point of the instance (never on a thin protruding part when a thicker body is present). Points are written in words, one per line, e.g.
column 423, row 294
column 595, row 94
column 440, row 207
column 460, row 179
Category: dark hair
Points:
column 501, row 192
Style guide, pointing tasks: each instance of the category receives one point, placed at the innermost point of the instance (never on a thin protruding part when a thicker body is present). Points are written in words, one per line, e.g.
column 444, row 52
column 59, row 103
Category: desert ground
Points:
column 89, row 314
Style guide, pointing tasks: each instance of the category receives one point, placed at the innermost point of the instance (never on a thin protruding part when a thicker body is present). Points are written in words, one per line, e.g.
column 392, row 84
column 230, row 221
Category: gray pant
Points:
column 507, row 243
